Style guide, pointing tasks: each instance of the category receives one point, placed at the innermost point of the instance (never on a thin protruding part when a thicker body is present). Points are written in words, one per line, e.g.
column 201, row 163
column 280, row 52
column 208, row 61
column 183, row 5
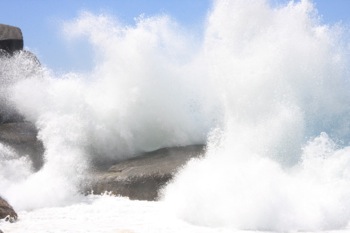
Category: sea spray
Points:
column 10, row 162
column 22, row 65
column 135, row 99
column 266, row 87
column 280, row 161
column 137, row 90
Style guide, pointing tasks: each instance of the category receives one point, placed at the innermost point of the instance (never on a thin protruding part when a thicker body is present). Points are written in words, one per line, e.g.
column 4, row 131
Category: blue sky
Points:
column 40, row 20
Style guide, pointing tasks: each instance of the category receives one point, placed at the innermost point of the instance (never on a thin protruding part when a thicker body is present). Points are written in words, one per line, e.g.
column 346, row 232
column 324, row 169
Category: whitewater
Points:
column 265, row 86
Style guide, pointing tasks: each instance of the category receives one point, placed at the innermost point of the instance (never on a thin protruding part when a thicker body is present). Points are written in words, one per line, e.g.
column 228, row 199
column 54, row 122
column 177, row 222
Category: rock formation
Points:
column 11, row 39
column 15, row 64
column 142, row 177
column 6, row 211
column 22, row 137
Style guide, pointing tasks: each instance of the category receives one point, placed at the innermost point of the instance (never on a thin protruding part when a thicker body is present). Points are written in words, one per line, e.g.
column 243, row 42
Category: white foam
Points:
column 143, row 93
column 273, row 166
column 103, row 214
column 266, row 87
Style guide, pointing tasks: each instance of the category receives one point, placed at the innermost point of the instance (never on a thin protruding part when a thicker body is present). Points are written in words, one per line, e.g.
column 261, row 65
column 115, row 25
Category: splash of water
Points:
column 280, row 161
column 272, row 80
column 136, row 98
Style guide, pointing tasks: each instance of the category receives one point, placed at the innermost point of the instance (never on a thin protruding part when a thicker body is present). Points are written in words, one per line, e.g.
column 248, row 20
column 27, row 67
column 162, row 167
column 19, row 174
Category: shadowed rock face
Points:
column 22, row 137
column 14, row 132
column 11, row 38
column 6, row 211
column 142, row 177
column 20, row 66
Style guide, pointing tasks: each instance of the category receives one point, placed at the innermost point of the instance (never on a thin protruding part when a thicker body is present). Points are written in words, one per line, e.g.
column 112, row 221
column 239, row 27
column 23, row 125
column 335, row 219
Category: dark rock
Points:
column 15, row 64
column 20, row 66
column 22, row 137
column 6, row 211
column 9, row 115
column 11, row 39
column 142, row 177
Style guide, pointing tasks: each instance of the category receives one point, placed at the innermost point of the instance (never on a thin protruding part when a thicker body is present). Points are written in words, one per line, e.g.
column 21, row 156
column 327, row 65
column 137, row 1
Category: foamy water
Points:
column 267, row 88
column 103, row 214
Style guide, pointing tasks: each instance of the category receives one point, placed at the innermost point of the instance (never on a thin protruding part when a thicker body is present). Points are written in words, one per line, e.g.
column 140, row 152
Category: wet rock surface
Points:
column 16, row 64
column 11, row 39
column 142, row 177
column 22, row 137
column 6, row 211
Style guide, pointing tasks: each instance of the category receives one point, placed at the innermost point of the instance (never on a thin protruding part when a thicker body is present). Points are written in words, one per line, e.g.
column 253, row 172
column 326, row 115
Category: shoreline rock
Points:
column 6, row 211
column 11, row 39
column 14, row 131
column 22, row 137
column 142, row 177
column 139, row 178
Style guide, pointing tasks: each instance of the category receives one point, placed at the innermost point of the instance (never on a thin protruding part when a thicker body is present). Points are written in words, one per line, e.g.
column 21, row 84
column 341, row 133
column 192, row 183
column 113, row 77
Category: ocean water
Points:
column 266, row 87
